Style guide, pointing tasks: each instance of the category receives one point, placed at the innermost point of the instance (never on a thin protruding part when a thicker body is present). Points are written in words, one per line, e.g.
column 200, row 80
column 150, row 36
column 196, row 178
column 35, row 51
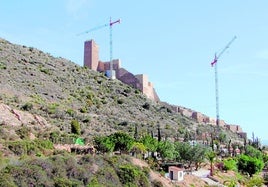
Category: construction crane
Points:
column 110, row 75
column 214, row 64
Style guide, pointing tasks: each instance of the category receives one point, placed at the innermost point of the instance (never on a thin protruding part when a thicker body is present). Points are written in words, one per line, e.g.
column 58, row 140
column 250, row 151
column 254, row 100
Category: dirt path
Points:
column 188, row 181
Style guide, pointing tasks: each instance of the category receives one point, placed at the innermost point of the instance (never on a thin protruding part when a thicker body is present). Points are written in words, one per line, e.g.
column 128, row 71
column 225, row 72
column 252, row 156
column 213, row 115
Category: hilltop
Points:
column 61, row 91
column 43, row 97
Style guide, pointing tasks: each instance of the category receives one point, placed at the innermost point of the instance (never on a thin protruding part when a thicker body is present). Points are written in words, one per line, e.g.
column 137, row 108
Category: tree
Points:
column 104, row 144
column 253, row 152
column 183, row 151
column 250, row 165
column 122, row 141
column 136, row 132
column 187, row 136
column 198, row 155
column 190, row 154
column 138, row 148
column 167, row 150
column 222, row 137
column 149, row 142
column 159, row 132
column 211, row 155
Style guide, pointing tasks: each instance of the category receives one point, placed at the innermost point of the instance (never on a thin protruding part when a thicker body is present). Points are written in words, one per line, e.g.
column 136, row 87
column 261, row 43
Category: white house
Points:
column 175, row 173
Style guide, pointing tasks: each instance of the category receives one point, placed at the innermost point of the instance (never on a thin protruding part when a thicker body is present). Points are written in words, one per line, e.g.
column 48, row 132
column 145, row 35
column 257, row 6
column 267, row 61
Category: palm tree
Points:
column 211, row 155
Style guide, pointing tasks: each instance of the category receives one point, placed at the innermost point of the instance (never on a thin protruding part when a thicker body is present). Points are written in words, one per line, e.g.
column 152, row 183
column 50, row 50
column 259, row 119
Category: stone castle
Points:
column 141, row 82
column 201, row 118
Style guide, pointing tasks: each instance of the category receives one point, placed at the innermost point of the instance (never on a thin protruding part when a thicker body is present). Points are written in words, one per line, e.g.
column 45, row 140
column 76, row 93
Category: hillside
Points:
column 42, row 96
column 61, row 91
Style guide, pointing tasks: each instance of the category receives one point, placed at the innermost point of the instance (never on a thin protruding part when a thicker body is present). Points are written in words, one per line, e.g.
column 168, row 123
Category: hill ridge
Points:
column 61, row 91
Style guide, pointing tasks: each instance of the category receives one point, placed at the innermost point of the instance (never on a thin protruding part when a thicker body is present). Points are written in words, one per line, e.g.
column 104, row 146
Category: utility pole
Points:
column 214, row 64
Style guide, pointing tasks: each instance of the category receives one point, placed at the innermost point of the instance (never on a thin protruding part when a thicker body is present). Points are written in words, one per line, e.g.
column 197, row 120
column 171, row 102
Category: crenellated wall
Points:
column 141, row 82
column 201, row 118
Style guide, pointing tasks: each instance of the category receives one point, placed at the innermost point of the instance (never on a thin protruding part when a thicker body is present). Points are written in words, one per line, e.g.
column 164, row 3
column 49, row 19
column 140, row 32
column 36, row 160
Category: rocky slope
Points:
column 56, row 91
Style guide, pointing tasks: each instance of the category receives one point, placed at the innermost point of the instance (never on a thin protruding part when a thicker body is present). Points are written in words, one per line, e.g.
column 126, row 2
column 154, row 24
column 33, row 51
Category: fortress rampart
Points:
column 141, row 82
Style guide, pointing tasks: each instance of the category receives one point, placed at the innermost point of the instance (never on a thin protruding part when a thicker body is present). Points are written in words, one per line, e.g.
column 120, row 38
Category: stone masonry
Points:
column 201, row 118
column 141, row 82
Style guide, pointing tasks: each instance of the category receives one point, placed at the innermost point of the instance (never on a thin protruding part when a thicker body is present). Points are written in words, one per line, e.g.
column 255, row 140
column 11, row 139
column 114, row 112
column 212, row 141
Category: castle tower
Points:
column 91, row 55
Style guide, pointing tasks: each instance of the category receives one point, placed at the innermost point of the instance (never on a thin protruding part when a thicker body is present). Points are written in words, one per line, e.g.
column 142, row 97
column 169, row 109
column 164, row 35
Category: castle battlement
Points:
column 140, row 81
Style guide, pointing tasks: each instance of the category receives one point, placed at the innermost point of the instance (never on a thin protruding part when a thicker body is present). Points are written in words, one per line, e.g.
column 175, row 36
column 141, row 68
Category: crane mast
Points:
column 214, row 64
column 111, row 41
column 111, row 47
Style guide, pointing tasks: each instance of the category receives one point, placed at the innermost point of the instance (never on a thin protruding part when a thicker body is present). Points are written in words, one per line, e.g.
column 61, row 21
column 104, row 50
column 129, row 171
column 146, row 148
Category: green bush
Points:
column 46, row 71
column 3, row 65
column 28, row 147
column 27, row 107
column 120, row 101
column 71, row 112
column 256, row 181
column 75, row 127
column 132, row 176
column 83, row 110
column 6, row 180
column 250, row 165
column 62, row 182
column 23, row 132
column 230, row 164
column 146, row 106
column 94, row 183
column 24, row 147
column 52, row 108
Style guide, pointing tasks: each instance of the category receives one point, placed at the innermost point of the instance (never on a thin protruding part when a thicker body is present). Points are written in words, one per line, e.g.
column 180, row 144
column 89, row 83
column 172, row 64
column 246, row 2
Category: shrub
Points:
column 132, row 175
column 94, row 183
column 75, row 127
column 255, row 182
column 52, row 108
column 3, row 65
column 86, row 120
column 23, row 132
column 120, row 101
column 230, row 164
column 27, row 107
column 123, row 123
column 70, row 112
column 250, row 165
column 6, row 180
column 127, row 90
column 146, row 106
column 46, row 71
column 83, row 110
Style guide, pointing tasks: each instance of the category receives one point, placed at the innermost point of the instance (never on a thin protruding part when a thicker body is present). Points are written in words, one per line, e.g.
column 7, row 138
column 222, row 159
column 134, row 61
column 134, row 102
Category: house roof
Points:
column 174, row 168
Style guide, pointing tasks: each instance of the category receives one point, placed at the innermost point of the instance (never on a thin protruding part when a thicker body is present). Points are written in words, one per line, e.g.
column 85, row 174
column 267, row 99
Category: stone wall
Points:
column 141, row 82
column 91, row 55
column 234, row 128
column 202, row 118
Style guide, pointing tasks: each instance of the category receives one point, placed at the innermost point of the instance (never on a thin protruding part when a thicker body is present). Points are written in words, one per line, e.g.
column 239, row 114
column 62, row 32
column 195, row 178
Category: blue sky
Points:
column 172, row 41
